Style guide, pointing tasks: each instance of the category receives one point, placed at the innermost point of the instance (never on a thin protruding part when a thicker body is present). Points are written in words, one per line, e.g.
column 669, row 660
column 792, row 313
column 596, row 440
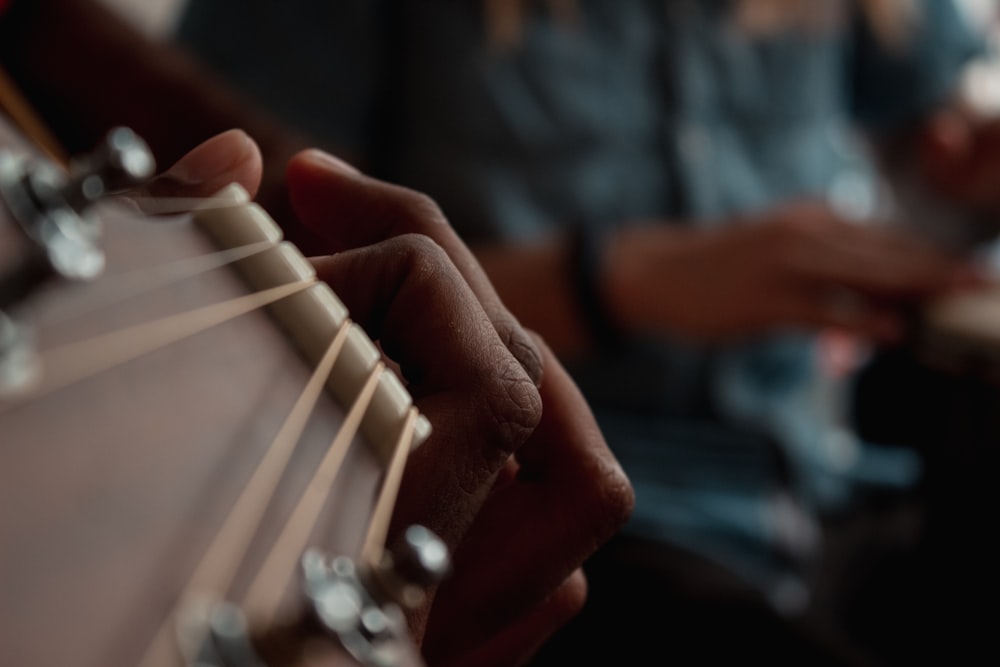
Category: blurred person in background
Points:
column 688, row 199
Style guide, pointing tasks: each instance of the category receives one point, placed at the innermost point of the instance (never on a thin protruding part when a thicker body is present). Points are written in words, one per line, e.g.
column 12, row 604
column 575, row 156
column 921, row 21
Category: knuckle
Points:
column 505, row 410
column 601, row 498
column 514, row 406
column 422, row 259
column 521, row 344
column 505, row 403
column 611, row 499
column 419, row 250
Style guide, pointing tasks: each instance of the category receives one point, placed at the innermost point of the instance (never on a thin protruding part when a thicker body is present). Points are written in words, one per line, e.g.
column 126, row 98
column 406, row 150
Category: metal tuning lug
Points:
column 362, row 607
column 416, row 562
column 215, row 633
column 20, row 366
column 52, row 207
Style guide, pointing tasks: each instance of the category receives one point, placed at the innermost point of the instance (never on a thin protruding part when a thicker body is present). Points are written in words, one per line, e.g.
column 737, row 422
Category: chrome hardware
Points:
column 363, row 607
column 52, row 208
column 360, row 608
column 419, row 560
column 20, row 366
column 215, row 634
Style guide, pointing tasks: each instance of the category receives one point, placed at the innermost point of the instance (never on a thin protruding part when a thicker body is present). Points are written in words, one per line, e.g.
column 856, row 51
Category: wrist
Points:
column 588, row 266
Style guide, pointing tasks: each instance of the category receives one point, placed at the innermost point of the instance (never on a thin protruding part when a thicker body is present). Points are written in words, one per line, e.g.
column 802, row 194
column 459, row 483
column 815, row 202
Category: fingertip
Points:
column 228, row 157
column 312, row 159
column 216, row 155
column 315, row 179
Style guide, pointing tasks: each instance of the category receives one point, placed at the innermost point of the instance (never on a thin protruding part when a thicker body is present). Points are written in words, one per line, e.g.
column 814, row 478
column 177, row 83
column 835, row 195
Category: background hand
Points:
column 799, row 266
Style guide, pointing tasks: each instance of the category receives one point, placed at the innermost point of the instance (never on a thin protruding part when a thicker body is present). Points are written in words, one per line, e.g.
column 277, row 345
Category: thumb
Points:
column 226, row 158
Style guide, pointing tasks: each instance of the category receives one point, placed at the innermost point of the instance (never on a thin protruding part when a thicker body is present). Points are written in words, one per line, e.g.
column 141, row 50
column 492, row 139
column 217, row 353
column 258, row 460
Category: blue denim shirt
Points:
column 658, row 110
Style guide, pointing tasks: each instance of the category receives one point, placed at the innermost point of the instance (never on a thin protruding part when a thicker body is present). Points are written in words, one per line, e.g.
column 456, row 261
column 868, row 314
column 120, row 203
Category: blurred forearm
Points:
column 85, row 69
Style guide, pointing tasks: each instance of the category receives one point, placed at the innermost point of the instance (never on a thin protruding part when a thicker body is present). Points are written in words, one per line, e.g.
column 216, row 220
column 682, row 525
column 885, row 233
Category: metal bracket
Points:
column 52, row 209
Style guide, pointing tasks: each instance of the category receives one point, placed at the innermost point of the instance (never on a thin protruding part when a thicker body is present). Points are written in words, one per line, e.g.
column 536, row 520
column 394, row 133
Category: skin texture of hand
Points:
column 474, row 371
column 797, row 266
column 516, row 479
column 566, row 494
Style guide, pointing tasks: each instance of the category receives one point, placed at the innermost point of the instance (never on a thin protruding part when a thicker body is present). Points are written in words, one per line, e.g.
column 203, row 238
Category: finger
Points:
column 348, row 210
column 895, row 276
column 226, row 158
column 810, row 231
column 570, row 495
column 880, row 262
column 518, row 643
column 410, row 298
column 844, row 310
